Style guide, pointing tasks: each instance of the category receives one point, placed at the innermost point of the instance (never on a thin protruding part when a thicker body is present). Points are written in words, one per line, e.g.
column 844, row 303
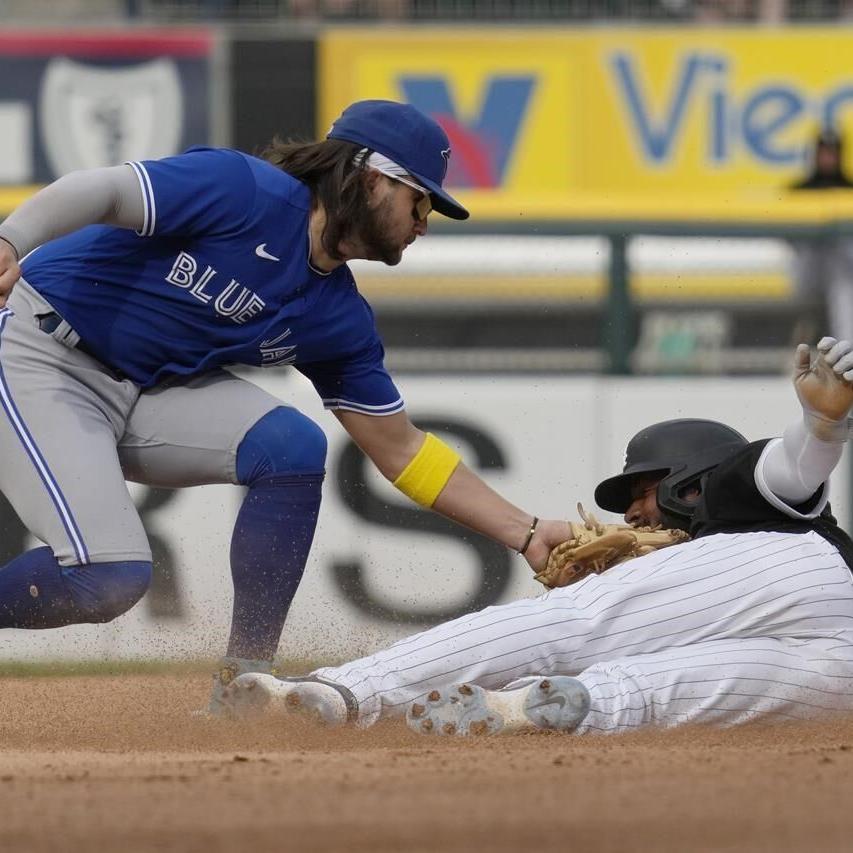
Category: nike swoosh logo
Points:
column 261, row 252
column 553, row 700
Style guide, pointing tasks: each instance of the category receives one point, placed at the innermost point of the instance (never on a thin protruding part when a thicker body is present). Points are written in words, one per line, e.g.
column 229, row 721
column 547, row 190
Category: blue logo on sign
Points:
column 702, row 81
column 482, row 146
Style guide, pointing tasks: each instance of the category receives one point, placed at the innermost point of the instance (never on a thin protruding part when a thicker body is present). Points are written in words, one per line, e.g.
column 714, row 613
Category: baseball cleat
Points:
column 229, row 668
column 255, row 695
column 558, row 703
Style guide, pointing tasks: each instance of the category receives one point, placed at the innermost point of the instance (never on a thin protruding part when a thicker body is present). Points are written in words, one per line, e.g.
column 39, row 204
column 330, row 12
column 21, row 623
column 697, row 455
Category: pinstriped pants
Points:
column 724, row 629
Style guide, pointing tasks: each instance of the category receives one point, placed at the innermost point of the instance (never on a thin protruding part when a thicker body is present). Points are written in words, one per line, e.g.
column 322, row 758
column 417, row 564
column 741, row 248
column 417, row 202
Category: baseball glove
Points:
column 594, row 547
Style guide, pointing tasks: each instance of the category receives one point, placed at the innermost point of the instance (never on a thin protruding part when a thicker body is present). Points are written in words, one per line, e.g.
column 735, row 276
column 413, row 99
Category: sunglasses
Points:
column 423, row 206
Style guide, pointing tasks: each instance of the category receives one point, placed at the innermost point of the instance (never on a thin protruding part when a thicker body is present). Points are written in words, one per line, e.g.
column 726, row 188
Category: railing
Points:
column 815, row 216
column 610, row 349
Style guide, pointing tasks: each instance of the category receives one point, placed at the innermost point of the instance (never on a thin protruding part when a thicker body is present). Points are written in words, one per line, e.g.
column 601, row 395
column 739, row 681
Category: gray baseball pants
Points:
column 72, row 434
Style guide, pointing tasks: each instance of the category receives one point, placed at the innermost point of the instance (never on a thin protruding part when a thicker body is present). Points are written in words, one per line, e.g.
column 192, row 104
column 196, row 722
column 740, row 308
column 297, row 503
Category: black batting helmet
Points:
column 682, row 452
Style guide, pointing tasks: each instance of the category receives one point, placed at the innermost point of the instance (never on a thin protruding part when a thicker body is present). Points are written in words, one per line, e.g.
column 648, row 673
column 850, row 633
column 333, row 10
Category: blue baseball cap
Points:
column 405, row 135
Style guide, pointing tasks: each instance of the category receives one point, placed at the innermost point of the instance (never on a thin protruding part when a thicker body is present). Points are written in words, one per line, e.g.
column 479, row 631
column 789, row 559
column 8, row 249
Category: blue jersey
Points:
column 220, row 273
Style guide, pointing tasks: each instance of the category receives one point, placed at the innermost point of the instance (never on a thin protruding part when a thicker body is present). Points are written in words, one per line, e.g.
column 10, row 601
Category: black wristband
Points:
column 530, row 533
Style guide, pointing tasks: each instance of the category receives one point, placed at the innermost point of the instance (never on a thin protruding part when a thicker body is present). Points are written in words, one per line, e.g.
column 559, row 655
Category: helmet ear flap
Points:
column 677, row 510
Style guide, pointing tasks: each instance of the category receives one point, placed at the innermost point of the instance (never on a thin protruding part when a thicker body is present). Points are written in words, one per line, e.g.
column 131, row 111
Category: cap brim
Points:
column 442, row 202
column 614, row 494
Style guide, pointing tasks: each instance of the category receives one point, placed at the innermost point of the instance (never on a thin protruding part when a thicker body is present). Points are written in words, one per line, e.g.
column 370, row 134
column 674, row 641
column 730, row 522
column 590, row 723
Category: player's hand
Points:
column 824, row 387
column 549, row 534
column 10, row 272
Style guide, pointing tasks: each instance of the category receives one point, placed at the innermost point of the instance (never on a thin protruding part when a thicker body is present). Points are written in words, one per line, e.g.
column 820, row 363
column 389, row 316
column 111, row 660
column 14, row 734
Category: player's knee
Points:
column 103, row 591
column 284, row 441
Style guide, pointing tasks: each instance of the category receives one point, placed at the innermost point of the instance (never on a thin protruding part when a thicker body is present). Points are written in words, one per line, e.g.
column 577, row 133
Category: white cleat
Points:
column 558, row 703
column 256, row 695
column 229, row 668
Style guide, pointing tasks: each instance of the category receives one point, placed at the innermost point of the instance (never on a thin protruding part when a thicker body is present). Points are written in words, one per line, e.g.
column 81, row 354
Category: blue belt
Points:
column 49, row 323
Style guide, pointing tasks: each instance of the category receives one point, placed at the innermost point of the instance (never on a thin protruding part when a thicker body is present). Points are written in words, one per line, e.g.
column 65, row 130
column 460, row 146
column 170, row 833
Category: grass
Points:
column 51, row 669
column 67, row 669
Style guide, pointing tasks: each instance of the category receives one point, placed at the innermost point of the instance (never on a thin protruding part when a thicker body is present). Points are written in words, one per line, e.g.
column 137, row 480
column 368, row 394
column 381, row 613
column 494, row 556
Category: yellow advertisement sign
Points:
column 503, row 100
column 537, row 118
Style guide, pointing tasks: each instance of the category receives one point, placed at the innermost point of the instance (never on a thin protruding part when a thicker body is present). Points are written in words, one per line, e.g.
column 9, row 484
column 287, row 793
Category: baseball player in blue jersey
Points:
column 123, row 293
column 751, row 618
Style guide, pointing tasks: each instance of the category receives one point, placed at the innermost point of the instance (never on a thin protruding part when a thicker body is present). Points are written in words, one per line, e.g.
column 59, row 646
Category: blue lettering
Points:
column 832, row 108
column 656, row 138
column 718, row 145
column 762, row 121
column 718, row 124
column 481, row 148
column 771, row 110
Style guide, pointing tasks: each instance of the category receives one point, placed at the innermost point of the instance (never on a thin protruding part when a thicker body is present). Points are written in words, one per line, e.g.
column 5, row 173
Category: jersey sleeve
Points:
column 812, row 507
column 356, row 384
column 203, row 191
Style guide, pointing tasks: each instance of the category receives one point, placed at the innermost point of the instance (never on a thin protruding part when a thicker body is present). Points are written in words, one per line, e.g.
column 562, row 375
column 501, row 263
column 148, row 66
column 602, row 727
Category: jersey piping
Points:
column 350, row 405
column 149, row 220
column 59, row 501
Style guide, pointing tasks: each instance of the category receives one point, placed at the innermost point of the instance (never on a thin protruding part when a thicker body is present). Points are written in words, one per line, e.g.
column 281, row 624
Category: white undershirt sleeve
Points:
column 795, row 466
column 107, row 196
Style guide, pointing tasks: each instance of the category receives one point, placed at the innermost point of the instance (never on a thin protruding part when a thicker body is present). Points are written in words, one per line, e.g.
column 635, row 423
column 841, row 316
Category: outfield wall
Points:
column 381, row 569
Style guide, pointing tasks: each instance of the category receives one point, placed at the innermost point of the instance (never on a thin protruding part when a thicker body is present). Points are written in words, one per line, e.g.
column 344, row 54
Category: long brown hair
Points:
column 330, row 171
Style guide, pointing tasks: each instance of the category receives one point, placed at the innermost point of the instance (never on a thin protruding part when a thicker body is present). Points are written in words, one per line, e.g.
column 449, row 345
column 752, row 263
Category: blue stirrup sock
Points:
column 36, row 592
column 282, row 460
column 269, row 549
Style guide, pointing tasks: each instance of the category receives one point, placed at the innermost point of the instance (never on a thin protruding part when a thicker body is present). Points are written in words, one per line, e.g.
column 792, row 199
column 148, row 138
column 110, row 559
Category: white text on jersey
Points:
column 237, row 306
column 273, row 352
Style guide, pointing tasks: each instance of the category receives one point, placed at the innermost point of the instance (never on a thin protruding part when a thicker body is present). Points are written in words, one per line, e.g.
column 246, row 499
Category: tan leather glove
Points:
column 594, row 547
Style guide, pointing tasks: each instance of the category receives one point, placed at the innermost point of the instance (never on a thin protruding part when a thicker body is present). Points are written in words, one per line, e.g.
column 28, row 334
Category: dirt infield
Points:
column 119, row 764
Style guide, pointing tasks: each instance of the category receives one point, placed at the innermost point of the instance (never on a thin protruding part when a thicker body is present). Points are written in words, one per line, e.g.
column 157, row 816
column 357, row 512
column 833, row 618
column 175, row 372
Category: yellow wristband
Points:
column 428, row 472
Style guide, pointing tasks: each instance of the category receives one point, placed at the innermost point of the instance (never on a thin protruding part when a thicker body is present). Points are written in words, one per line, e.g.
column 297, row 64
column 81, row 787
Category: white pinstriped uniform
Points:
column 722, row 629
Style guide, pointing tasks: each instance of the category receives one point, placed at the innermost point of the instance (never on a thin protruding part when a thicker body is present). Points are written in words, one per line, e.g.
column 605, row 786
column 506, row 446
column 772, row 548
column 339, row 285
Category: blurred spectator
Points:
column 823, row 268
column 827, row 164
